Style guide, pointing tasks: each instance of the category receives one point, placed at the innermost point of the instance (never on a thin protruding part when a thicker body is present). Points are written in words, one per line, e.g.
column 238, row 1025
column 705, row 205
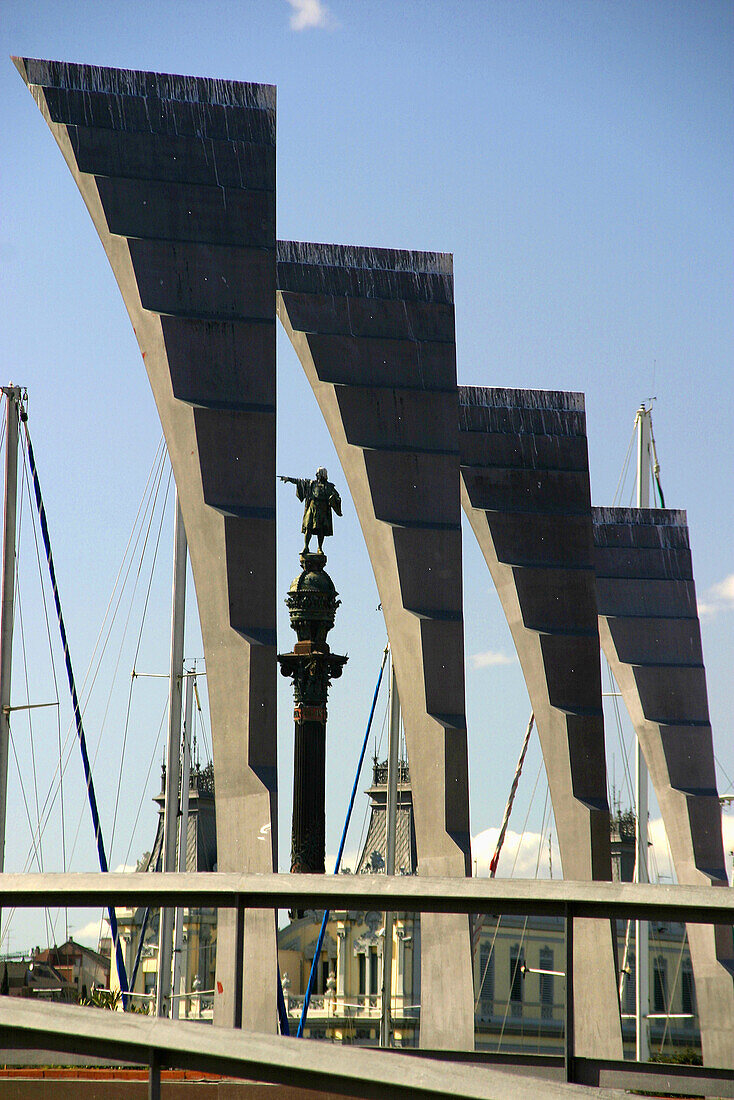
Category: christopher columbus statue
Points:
column 320, row 499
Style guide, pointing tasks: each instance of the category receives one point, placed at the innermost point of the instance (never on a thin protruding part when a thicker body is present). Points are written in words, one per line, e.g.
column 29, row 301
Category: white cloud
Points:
column 521, row 854
column 720, row 597
column 490, row 658
column 309, row 14
column 89, row 934
column 724, row 590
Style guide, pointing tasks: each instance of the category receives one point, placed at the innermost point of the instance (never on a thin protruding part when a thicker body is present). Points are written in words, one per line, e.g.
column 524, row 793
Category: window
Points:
column 546, row 984
column 373, row 971
column 687, row 994
column 517, row 961
column 660, row 984
column 486, row 981
column 362, row 963
column 325, row 965
column 629, row 985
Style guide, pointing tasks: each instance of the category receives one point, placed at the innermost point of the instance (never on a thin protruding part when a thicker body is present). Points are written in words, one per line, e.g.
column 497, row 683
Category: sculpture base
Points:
column 312, row 562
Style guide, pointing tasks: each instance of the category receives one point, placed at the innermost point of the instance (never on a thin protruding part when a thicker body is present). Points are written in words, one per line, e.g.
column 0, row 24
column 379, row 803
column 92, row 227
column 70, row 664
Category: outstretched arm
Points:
column 292, row 480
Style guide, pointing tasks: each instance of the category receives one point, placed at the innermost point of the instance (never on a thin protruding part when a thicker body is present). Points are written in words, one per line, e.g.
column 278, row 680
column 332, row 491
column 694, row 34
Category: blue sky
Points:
column 576, row 159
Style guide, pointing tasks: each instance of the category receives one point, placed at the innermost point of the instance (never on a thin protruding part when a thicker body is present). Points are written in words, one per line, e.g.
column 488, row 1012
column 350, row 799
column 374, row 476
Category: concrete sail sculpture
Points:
column 525, row 489
column 178, row 175
column 650, row 634
column 374, row 331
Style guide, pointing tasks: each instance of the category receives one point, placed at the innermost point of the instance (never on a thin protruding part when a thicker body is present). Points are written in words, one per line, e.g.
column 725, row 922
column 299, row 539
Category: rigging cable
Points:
column 367, row 811
column 36, row 844
column 119, row 651
column 54, row 786
column 625, row 466
column 121, row 972
column 135, row 658
column 479, row 922
column 202, row 724
column 144, row 787
column 519, row 961
column 54, row 674
column 512, row 871
column 143, row 929
column 322, row 933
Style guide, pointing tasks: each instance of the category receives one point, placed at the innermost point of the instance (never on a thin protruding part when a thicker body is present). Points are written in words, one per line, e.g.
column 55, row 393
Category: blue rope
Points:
column 322, row 933
column 121, row 972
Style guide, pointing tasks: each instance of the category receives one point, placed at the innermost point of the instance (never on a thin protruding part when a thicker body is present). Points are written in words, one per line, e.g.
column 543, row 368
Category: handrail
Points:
column 571, row 900
column 693, row 904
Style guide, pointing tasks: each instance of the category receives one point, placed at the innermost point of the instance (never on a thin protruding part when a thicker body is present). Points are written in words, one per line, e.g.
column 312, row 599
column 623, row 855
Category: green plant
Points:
column 102, row 998
column 685, row 1056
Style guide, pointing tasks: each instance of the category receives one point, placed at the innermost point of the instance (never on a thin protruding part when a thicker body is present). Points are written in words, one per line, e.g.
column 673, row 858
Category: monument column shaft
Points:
column 308, row 836
column 312, row 603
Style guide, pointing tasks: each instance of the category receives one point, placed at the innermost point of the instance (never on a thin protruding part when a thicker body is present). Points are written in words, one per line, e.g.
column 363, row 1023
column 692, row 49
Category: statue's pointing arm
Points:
column 303, row 485
column 300, row 483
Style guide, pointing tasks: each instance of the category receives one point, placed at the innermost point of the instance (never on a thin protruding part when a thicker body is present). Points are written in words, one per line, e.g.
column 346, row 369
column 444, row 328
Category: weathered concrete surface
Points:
column 525, row 489
column 374, row 330
column 347, row 1070
column 178, row 175
column 650, row 634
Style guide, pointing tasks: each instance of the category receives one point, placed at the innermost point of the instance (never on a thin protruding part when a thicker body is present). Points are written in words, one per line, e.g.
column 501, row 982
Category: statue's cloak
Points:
column 320, row 497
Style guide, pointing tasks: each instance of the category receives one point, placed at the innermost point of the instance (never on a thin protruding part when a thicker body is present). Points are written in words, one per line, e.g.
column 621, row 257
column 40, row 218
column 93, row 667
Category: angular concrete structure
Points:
column 178, row 175
column 374, row 330
column 525, row 489
column 650, row 634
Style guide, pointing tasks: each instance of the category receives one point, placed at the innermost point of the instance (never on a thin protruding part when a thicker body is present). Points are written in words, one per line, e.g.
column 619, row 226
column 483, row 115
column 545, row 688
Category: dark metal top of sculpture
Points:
column 320, row 500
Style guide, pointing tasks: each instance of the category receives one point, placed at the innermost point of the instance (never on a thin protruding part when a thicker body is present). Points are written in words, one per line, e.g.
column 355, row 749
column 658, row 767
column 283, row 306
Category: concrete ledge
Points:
column 347, row 1071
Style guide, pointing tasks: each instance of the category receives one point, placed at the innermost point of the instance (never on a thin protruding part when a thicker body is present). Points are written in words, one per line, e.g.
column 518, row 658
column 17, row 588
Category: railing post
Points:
column 154, row 1075
column 568, row 1037
column 239, row 960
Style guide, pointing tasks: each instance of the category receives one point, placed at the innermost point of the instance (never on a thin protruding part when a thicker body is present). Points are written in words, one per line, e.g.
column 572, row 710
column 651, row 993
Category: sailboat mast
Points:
column 173, row 758
column 391, row 814
column 12, row 394
column 642, row 978
column 183, row 834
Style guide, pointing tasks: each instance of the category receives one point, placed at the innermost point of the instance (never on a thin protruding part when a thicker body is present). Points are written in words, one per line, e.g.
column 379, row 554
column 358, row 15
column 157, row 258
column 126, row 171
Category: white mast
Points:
column 12, row 394
column 173, row 758
column 183, row 834
column 391, row 812
column 642, row 978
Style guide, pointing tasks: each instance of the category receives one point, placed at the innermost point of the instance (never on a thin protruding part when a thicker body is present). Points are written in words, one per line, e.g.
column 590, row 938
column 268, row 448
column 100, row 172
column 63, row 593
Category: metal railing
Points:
column 161, row 1042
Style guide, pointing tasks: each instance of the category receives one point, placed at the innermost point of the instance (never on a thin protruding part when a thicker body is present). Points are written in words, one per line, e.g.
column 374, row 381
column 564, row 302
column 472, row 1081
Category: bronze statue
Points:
column 320, row 500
